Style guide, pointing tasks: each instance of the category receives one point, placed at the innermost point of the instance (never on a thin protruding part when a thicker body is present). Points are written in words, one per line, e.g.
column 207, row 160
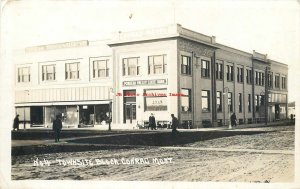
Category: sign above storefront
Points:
column 146, row 82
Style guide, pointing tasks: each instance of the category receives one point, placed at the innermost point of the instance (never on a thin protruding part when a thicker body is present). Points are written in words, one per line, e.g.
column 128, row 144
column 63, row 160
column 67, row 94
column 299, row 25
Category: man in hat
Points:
column 152, row 122
column 57, row 126
column 16, row 122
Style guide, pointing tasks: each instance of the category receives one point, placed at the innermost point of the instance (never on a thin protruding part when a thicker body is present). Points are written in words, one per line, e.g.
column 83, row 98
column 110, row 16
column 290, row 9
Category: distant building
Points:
column 162, row 71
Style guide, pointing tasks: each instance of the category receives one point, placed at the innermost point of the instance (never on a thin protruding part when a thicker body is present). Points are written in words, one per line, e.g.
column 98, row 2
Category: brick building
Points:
column 162, row 71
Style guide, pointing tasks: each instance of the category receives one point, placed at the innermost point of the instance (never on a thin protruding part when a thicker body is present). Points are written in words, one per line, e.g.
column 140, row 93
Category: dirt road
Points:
column 174, row 164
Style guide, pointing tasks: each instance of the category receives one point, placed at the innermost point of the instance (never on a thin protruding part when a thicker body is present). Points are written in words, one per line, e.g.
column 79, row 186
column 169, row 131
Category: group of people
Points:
column 174, row 124
column 57, row 126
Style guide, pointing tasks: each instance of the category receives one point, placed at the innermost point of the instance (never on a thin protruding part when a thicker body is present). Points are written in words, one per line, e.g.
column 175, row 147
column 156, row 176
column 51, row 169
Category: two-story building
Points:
column 168, row 70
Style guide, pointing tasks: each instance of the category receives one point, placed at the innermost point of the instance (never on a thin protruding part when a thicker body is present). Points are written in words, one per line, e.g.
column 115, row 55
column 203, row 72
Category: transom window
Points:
column 131, row 66
column 100, row 68
column 72, row 70
column 24, row 75
column 157, row 64
column 48, row 72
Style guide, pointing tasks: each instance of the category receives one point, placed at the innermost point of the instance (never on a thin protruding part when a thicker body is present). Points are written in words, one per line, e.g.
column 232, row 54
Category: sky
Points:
column 267, row 26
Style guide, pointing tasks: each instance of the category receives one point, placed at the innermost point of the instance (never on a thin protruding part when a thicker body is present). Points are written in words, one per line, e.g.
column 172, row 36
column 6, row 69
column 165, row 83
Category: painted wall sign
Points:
column 146, row 82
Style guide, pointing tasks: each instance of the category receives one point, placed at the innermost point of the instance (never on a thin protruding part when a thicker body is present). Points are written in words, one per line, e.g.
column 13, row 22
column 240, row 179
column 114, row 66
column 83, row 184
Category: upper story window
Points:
column 48, row 72
column 219, row 70
column 131, row 66
column 249, row 76
column 24, row 75
column 72, row 70
column 259, row 78
column 229, row 71
column 277, row 80
column 186, row 100
column 186, row 65
column 240, row 75
column 205, row 68
column 270, row 80
column 157, row 64
column 283, row 82
column 100, row 68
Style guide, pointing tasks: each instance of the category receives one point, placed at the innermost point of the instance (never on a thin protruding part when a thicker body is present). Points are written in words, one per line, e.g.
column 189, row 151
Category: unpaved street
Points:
column 196, row 162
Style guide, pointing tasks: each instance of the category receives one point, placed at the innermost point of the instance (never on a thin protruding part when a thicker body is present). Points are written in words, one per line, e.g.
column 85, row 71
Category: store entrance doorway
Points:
column 86, row 116
column 130, row 113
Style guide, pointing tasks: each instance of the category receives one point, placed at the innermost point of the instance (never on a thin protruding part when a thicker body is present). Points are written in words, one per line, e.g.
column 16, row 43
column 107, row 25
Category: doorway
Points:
column 129, row 106
column 277, row 112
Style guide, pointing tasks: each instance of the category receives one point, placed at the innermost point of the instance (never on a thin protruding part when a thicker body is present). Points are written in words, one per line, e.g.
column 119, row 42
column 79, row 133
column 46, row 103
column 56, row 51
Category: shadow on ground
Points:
column 124, row 141
column 162, row 138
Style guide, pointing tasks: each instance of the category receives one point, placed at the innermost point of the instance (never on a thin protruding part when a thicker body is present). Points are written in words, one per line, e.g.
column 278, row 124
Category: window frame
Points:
column 186, row 69
column 68, row 73
column 151, row 64
column 126, row 68
column 22, row 76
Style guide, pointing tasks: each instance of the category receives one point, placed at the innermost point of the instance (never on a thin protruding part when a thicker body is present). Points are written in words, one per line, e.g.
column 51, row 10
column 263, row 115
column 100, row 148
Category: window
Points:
column 24, row 75
column 257, row 99
column 240, row 102
column 72, row 70
column 48, row 72
column 205, row 101
column 259, row 78
column 100, row 68
column 205, row 68
column 131, row 66
column 270, row 80
column 256, row 78
column 249, row 76
column 283, row 82
column 277, row 78
column 240, row 74
column 229, row 70
column 219, row 101
column 186, row 65
column 155, row 100
column 186, row 100
column 157, row 64
column 230, row 104
column 219, row 70
column 249, row 102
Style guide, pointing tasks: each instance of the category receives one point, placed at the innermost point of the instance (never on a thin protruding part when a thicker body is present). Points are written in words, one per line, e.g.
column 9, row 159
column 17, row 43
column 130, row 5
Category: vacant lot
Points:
column 191, row 161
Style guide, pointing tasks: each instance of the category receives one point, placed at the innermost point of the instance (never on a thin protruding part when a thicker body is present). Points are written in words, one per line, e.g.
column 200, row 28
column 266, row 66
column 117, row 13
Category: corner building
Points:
column 162, row 71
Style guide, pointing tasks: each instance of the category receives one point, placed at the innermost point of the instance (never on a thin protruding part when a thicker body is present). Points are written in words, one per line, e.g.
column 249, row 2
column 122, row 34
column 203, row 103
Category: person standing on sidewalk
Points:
column 16, row 122
column 152, row 122
column 233, row 119
column 57, row 126
column 174, row 124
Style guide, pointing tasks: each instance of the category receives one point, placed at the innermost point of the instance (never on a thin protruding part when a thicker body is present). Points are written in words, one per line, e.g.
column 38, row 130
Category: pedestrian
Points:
column 57, row 126
column 233, row 119
column 152, row 122
column 174, row 124
column 16, row 122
